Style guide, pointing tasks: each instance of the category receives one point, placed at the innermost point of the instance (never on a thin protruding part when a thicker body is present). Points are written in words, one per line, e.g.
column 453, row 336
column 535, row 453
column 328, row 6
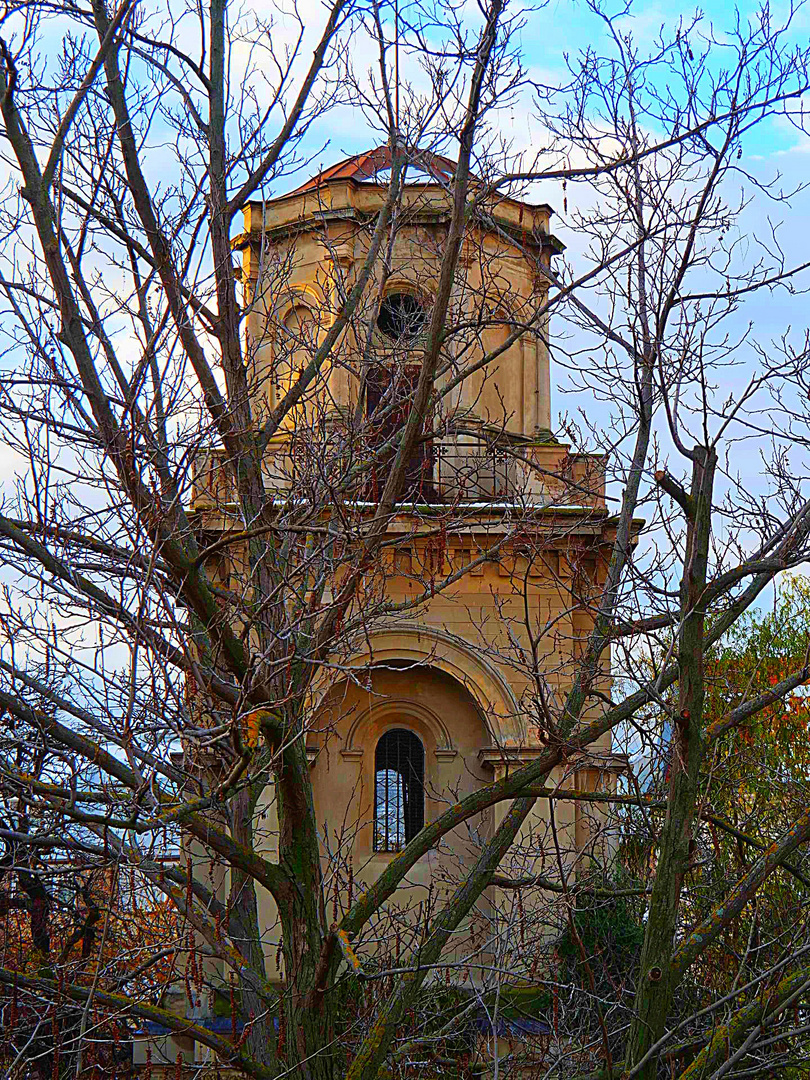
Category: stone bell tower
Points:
column 434, row 705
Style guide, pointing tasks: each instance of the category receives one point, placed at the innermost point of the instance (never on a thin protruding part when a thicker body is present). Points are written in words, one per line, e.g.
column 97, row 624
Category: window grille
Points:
column 399, row 789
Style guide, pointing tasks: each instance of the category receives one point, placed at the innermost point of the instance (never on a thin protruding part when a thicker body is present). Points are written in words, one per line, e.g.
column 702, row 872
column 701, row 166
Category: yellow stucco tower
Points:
column 442, row 700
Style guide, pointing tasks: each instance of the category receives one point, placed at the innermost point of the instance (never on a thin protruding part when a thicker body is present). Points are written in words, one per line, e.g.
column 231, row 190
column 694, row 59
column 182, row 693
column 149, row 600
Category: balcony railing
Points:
column 470, row 471
column 464, row 470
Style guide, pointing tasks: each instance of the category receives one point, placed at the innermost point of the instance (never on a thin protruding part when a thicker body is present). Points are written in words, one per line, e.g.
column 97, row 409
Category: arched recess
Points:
column 430, row 647
column 273, row 309
column 300, row 295
column 394, row 713
column 284, row 330
column 295, row 339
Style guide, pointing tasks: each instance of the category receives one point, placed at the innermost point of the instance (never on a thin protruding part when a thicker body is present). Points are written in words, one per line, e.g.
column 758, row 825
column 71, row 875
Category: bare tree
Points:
column 199, row 538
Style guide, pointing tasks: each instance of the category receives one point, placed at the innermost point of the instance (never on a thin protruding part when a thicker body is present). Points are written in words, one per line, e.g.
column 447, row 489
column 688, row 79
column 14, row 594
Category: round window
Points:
column 401, row 316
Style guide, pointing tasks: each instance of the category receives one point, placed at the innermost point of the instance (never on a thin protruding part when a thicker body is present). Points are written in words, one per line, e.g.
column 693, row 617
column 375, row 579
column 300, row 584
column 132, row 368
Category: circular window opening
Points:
column 401, row 316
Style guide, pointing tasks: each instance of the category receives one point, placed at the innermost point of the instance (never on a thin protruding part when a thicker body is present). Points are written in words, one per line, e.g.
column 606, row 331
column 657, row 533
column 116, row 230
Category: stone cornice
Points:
column 522, row 755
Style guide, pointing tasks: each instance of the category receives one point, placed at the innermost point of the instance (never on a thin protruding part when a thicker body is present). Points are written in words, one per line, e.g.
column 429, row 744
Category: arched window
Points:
column 399, row 789
column 402, row 317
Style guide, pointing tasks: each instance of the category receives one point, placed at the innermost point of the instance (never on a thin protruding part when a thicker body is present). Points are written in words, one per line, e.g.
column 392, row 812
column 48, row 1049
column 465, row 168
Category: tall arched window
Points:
column 399, row 789
column 390, row 388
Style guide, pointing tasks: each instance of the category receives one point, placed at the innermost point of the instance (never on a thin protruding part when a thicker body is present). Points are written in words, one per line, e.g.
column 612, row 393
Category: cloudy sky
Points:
column 558, row 30
column 564, row 28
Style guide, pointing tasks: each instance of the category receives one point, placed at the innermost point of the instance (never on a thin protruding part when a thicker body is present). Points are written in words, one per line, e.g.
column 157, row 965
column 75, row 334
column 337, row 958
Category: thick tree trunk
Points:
column 309, row 1025
column 657, row 982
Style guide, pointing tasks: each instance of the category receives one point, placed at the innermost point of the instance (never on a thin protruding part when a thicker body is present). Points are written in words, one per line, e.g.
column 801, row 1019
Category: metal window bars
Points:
column 399, row 789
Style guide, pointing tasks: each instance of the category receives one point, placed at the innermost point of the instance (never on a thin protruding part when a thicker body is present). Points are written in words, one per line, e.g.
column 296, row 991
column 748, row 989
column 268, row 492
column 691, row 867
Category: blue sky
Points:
column 568, row 26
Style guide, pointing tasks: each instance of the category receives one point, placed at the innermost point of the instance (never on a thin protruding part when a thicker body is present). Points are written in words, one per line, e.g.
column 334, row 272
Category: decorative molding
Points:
column 510, row 755
column 298, row 295
column 352, row 753
column 399, row 283
column 429, row 646
column 446, row 753
column 606, row 761
column 399, row 710
column 522, row 755
column 341, row 253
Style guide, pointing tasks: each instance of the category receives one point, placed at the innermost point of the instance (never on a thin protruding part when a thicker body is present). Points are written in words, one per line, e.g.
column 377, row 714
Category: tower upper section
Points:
column 302, row 252
column 305, row 254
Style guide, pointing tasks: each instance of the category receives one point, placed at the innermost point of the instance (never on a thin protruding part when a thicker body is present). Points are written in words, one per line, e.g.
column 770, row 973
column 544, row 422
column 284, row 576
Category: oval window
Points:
column 401, row 316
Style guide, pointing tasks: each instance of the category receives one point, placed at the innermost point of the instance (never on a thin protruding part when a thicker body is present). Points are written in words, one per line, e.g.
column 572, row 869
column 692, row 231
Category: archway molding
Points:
column 430, row 647
column 300, row 294
column 400, row 283
column 394, row 713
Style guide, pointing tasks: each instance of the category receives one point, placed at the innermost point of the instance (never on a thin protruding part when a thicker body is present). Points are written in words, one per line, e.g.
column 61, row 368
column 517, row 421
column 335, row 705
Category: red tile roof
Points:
column 366, row 166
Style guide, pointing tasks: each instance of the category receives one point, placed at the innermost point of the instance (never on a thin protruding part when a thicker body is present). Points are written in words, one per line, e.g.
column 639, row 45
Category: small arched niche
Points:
column 420, row 703
column 295, row 342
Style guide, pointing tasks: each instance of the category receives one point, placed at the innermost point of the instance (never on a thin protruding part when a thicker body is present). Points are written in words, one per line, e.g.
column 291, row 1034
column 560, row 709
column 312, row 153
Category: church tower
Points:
column 498, row 543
